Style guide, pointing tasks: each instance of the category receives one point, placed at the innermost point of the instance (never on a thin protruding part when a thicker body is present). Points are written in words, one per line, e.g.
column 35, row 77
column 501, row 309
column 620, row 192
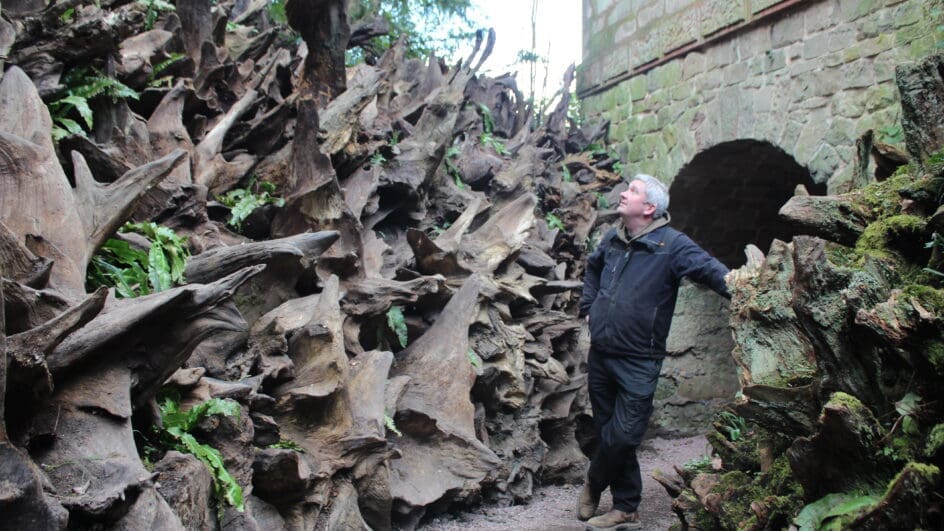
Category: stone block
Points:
column 922, row 47
column 646, row 123
column 615, row 63
column 818, row 16
column 759, row 5
column 884, row 71
column 880, row 96
column 679, row 29
column 649, row 12
column 693, row 63
column 776, row 60
column 814, row 103
column 809, row 142
column 823, row 164
column 669, row 136
column 622, row 11
column 831, row 60
column 841, row 38
column 625, row 29
column 716, row 15
column 728, row 115
column 908, row 13
column 720, row 54
column 763, row 99
column 852, row 53
column 710, row 81
column 682, row 91
column 790, row 134
column 637, row 87
column 647, row 48
column 850, row 10
column 841, row 132
column 734, row 74
column 754, row 42
column 859, row 74
column 876, row 45
column 816, row 45
column 787, row 30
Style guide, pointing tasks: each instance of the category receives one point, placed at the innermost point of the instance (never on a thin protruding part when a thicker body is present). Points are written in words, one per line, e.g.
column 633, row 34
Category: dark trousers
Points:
column 621, row 391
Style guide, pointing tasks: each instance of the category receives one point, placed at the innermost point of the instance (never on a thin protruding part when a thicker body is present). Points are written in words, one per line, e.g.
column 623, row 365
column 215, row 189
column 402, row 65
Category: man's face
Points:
column 633, row 202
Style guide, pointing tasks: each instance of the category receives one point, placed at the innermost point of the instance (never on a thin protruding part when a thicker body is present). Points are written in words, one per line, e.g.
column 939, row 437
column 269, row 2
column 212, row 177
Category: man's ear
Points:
column 648, row 209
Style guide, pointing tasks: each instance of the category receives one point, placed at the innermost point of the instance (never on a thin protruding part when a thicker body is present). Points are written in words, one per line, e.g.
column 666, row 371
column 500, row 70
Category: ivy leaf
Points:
column 158, row 268
column 908, row 405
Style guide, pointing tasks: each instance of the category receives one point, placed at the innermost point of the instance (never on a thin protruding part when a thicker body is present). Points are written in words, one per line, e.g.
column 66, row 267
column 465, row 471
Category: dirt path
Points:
column 554, row 507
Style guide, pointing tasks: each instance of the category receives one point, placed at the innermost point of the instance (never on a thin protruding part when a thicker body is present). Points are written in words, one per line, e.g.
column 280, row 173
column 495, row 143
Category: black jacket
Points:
column 630, row 288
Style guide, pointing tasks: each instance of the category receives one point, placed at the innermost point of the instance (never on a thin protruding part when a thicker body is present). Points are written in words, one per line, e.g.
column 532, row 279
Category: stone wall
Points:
column 687, row 85
column 808, row 77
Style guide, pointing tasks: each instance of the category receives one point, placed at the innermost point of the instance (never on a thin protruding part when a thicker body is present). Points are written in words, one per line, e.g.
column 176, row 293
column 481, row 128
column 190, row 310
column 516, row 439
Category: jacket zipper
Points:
column 618, row 278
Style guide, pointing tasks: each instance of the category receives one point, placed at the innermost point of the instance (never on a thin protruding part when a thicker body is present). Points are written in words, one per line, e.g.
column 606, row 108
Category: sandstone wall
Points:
column 808, row 78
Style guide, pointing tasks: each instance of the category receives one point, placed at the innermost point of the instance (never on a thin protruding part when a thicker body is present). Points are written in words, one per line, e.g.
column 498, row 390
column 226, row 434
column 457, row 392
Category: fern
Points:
column 388, row 422
column 554, row 222
column 451, row 168
column 81, row 86
column 153, row 10
column 397, row 323
column 175, row 433
column 133, row 272
column 243, row 201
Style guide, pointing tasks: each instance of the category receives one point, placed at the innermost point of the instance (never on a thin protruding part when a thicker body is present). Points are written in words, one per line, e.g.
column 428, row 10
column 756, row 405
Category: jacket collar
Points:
column 645, row 236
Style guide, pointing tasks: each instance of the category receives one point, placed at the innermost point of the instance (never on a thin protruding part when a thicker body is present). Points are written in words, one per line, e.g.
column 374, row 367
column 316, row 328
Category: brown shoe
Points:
column 614, row 520
column 588, row 502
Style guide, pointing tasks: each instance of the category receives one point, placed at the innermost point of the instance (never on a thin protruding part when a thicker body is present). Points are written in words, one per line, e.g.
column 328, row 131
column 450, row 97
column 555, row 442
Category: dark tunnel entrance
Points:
column 728, row 196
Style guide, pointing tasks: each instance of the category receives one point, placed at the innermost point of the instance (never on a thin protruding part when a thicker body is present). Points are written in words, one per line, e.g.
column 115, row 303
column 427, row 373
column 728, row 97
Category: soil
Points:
column 554, row 507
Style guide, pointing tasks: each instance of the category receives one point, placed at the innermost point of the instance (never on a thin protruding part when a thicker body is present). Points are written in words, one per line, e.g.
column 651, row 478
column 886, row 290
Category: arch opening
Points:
column 729, row 195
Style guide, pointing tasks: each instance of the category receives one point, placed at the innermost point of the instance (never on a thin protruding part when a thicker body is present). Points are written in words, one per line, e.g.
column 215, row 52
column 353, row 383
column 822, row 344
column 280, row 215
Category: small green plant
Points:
column 554, row 222
column 388, row 422
column 565, row 174
column 828, row 511
column 277, row 12
column 156, row 70
column 437, row 230
column 243, row 201
column 618, row 167
column 154, row 8
column 698, row 464
column 394, row 138
column 474, row 359
column 377, row 159
column 937, row 244
column 81, row 85
column 285, row 444
column 133, row 272
column 175, row 433
column 488, row 125
column 68, row 15
column 397, row 324
column 451, row 168
column 734, row 425
column 602, row 202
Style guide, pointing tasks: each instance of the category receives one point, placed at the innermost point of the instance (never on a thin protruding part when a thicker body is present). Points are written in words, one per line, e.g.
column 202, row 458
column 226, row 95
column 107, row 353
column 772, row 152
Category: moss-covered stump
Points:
column 844, row 454
column 909, row 501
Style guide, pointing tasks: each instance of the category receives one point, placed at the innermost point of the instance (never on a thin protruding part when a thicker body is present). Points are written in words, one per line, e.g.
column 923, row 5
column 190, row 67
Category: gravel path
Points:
column 554, row 507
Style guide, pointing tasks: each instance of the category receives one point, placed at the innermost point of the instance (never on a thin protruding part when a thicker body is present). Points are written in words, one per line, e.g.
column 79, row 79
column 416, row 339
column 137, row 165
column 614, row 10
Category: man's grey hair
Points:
column 657, row 194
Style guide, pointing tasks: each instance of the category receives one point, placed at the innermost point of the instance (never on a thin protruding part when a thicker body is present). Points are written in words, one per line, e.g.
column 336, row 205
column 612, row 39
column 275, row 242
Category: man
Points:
column 629, row 293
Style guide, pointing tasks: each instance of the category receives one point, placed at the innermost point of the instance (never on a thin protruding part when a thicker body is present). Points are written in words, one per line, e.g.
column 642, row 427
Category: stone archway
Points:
column 728, row 196
column 724, row 198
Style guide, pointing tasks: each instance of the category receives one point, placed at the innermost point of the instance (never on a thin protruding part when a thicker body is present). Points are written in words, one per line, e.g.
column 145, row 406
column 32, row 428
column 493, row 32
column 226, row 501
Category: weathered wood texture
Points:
column 409, row 188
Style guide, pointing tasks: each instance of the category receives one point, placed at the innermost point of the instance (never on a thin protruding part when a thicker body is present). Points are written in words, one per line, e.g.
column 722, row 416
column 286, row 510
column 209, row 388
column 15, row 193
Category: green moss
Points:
column 928, row 473
column 882, row 198
column 931, row 298
column 935, row 441
column 877, row 236
column 934, row 350
column 840, row 255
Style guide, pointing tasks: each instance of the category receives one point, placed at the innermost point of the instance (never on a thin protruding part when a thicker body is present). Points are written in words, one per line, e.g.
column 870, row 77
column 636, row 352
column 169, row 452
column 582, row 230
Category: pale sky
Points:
column 558, row 38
